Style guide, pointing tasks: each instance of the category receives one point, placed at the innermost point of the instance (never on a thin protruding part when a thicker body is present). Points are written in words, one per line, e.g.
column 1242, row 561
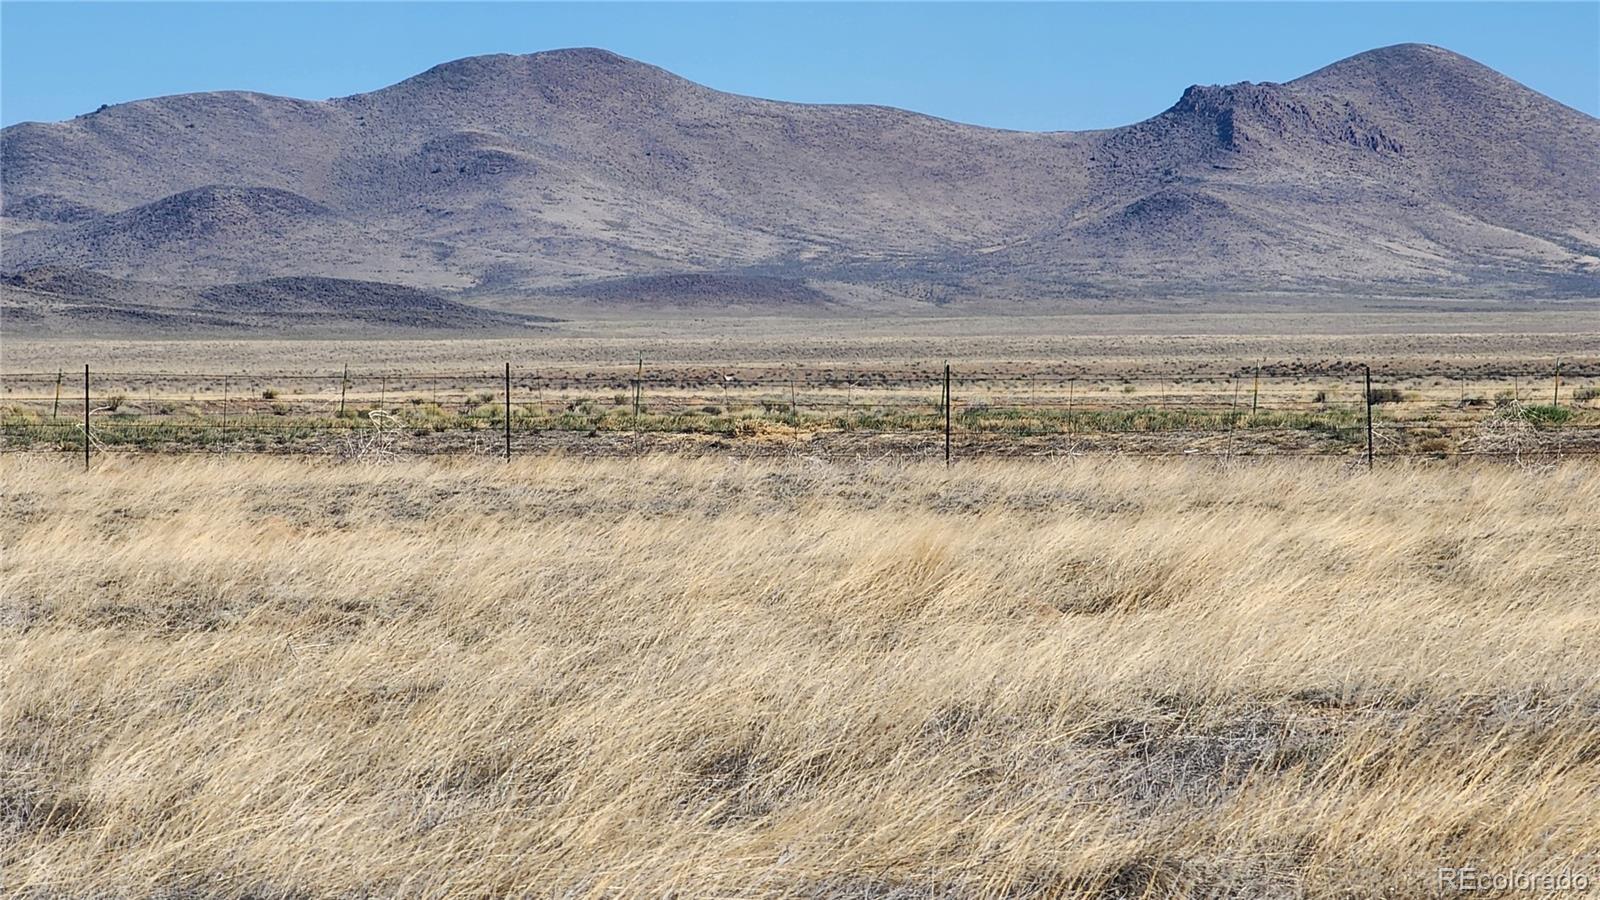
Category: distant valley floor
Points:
column 1402, row 337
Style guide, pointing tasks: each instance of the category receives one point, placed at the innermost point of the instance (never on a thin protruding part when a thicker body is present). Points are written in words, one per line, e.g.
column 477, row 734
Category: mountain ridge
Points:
column 1406, row 169
column 64, row 300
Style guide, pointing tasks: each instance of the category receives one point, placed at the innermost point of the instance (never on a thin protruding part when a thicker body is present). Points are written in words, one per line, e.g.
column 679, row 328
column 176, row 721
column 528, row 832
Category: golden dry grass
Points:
column 274, row 677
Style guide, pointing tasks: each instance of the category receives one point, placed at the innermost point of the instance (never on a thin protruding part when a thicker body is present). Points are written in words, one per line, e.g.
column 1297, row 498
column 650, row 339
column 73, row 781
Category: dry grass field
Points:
column 268, row 677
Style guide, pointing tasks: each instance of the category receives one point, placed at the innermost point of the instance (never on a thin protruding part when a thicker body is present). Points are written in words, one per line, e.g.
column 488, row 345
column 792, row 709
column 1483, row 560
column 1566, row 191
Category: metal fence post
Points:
column 1072, row 422
column 508, row 412
column 794, row 411
column 344, row 383
column 86, row 417
column 1233, row 412
column 947, row 413
column 1555, row 396
column 224, row 414
column 638, row 394
column 1368, row 370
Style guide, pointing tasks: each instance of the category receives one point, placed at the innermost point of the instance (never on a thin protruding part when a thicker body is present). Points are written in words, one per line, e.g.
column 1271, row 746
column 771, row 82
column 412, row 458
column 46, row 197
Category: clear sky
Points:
column 1031, row 66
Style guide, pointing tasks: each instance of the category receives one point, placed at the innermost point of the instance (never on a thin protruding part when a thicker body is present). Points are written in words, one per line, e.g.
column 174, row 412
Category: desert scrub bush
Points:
column 1546, row 414
column 1380, row 395
column 15, row 414
column 1434, row 445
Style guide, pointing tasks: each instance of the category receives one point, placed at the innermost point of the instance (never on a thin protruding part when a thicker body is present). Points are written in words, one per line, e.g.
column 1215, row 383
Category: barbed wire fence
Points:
column 1259, row 409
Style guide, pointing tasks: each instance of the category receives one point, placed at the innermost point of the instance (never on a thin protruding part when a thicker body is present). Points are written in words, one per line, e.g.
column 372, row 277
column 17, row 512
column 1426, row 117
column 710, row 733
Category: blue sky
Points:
column 1030, row 66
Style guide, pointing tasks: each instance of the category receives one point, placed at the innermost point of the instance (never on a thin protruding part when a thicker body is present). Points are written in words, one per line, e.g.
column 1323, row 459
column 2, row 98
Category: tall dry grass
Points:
column 699, row 678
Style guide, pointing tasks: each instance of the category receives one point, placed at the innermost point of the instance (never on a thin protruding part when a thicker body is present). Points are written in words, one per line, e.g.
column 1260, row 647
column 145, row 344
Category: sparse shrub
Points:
column 115, row 401
column 1546, row 414
column 1586, row 393
column 1380, row 395
column 269, row 394
column 583, row 407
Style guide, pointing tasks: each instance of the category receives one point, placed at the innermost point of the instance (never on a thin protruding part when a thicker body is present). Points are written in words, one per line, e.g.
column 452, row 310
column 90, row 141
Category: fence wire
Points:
column 1272, row 409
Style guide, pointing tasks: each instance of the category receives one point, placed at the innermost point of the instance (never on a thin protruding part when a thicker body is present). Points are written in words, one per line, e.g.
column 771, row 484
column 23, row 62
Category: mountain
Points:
column 579, row 173
column 60, row 300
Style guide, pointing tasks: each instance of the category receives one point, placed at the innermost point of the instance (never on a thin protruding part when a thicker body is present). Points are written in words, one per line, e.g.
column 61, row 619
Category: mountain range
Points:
column 584, row 176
